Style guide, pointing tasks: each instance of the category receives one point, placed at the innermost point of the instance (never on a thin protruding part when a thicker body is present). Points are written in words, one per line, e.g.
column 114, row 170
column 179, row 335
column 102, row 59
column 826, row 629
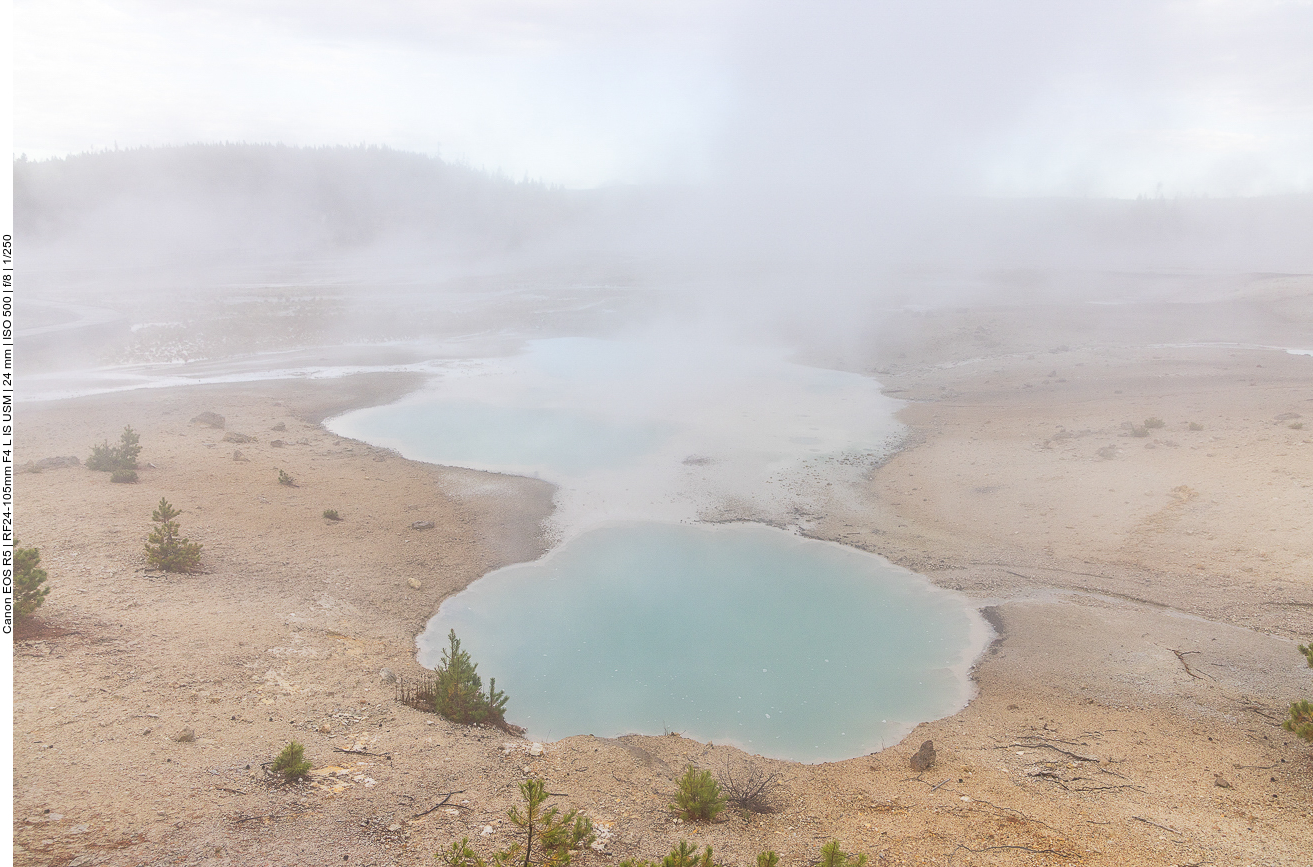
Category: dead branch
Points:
column 226, row 789
column 1181, row 654
column 1029, row 849
column 387, row 756
column 1156, row 825
column 267, row 816
column 751, row 787
column 446, row 796
column 1108, row 788
column 1076, row 756
column 1258, row 710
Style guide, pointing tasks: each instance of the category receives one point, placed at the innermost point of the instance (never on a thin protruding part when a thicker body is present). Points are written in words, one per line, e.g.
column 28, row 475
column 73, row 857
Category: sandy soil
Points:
column 1148, row 591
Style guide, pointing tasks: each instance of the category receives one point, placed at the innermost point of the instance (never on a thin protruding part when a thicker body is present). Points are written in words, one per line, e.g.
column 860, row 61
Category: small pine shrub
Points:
column 164, row 548
column 111, row 459
column 546, row 838
column 291, row 763
column 123, row 476
column 833, row 856
column 1300, row 720
column 285, row 479
column 1139, row 431
column 685, row 854
column 332, row 515
column 1153, row 422
column 768, row 859
column 29, row 595
column 1306, row 650
column 1296, row 425
column 698, row 798
column 1194, row 425
column 458, row 690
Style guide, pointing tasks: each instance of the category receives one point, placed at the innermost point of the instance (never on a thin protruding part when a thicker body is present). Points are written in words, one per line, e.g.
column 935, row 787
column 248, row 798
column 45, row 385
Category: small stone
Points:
column 414, row 583
column 278, row 444
column 395, row 826
column 536, row 749
column 924, row 759
column 1221, row 782
column 238, row 456
column 233, row 437
column 281, row 426
column 185, row 736
column 387, row 676
column 422, row 525
column 487, row 831
column 212, row 419
column 324, row 728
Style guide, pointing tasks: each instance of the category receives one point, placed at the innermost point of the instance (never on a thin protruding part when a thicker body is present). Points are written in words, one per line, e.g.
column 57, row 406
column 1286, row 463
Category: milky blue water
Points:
column 643, row 620
column 741, row 634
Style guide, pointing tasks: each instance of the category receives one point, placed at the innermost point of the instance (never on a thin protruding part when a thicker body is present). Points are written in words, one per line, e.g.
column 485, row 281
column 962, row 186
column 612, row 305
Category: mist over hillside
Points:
column 207, row 204
column 226, row 205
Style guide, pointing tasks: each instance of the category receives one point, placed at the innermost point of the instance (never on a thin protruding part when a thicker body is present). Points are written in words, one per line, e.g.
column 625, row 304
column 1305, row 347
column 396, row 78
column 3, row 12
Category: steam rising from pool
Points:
column 642, row 621
column 659, row 429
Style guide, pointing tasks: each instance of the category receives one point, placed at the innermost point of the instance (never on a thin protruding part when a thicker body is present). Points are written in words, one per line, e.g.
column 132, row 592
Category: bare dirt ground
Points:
column 1148, row 591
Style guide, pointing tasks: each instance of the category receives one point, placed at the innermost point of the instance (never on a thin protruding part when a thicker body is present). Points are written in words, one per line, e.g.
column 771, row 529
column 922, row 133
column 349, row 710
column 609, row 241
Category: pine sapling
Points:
column 165, row 549
column 833, row 856
column 291, row 763
column 698, row 797
column 28, row 578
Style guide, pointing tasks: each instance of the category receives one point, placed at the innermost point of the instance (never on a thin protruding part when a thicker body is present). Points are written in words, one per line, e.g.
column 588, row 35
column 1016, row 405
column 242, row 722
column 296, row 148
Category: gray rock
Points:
column 238, row 456
column 185, row 736
column 213, row 419
column 1221, row 782
column 387, row 676
column 422, row 525
column 231, row 437
column 50, row 464
column 924, row 759
column 280, row 426
column 278, row 444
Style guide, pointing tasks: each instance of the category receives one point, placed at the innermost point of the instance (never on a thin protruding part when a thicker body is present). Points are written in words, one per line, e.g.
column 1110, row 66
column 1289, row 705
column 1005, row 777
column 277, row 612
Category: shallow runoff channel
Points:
column 647, row 617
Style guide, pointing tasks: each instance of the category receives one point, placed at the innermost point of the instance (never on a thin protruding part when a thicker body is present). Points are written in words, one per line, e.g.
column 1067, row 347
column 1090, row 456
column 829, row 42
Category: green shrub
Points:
column 1296, row 425
column 1194, row 425
column 833, row 856
column 124, row 476
column 164, row 549
column 1300, row 720
column 698, row 798
column 29, row 595
column 291, row 763
column 546, row 838
column 108, row 459
column 458, row 690
column 768, row 859
column 332, row 515
column 1153, row 421
column 1139, row 431
column 285, row 479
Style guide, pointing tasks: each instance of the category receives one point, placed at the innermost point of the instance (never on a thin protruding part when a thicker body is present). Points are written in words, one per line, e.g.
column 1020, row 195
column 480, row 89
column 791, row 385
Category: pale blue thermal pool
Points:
column 742, row 634
column 644, row 620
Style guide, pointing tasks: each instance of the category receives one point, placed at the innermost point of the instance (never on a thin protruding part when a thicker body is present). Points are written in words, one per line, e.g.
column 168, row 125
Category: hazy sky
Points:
column 1014, row 97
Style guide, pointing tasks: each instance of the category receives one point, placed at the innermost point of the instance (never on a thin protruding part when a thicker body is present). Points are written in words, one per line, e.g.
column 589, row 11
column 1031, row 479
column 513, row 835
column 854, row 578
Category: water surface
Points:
column 741, row 634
